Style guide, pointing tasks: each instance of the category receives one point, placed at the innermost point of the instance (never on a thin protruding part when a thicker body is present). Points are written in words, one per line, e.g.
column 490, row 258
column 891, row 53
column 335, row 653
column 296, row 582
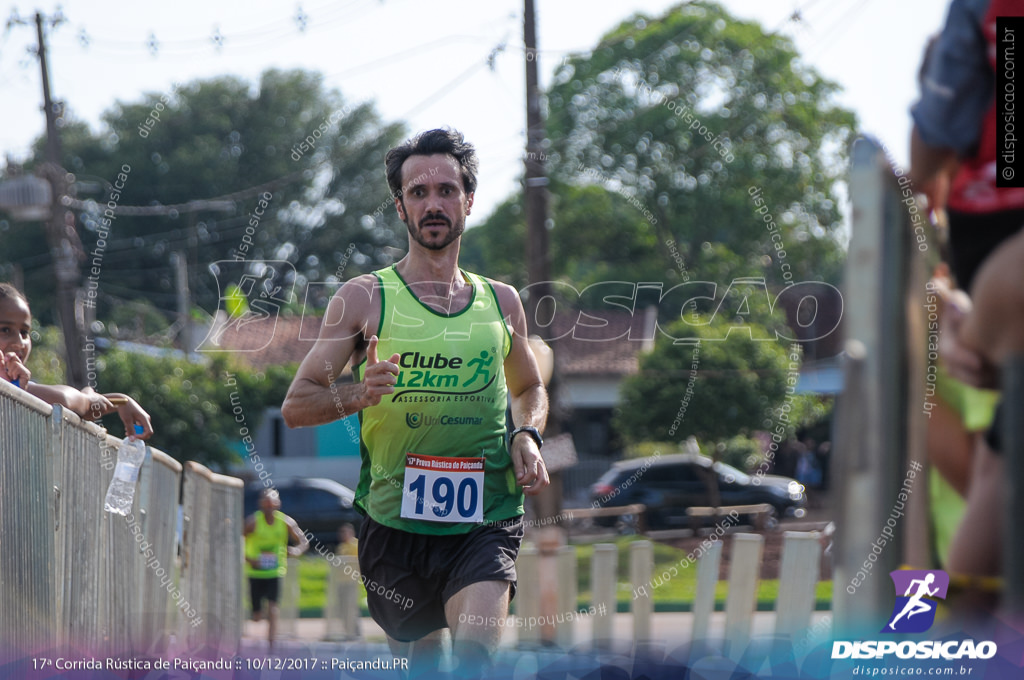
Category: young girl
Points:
column 15, row 346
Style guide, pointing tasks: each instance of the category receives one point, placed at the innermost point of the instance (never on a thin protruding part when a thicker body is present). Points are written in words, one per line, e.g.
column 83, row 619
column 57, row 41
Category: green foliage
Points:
column 741, row 452
column 190, row 403
column 597, row 236
column 735, row 380
column 649, row 450
column 136, row 319
column 45, row 360
column 690, row 113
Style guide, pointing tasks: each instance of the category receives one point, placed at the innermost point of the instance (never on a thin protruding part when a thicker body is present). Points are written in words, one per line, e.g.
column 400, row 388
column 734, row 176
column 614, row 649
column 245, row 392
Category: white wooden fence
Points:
column 798, row 578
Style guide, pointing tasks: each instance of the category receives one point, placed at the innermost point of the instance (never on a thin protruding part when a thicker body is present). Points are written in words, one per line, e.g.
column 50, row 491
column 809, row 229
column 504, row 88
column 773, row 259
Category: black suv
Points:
column 319, row 506
column 668, row 485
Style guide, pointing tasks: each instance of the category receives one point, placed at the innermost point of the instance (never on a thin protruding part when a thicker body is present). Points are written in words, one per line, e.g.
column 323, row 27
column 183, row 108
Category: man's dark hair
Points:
column 445, row 141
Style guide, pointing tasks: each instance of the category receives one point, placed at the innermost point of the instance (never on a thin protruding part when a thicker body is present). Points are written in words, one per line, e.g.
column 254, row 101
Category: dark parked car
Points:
column 318, row 506
column 668, row 485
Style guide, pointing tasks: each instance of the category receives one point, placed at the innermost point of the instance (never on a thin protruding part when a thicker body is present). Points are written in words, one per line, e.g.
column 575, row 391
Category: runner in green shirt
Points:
column 266, row 556
column 441, row 489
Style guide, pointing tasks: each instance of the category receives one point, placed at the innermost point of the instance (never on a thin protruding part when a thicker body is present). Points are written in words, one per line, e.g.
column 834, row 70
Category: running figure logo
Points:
column 913, row 613
column 481, row 362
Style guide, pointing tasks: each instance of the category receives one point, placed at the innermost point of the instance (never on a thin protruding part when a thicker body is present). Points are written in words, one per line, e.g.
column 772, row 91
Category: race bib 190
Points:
column 440, row 489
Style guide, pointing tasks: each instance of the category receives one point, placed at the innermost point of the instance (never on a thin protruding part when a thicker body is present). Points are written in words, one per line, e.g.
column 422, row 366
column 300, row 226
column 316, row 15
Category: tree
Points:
column 691, row 117
column 191, row 403
column 713, row 390
column 597, row 236
column 328, row 203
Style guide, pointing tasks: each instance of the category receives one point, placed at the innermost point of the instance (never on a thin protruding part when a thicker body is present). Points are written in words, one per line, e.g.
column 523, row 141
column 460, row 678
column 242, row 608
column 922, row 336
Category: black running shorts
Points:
column 409, row 577
column 263, row 589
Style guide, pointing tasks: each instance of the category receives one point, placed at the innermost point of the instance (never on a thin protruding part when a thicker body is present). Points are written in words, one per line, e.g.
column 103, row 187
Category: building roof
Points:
column 608, row 342
column 264, row 341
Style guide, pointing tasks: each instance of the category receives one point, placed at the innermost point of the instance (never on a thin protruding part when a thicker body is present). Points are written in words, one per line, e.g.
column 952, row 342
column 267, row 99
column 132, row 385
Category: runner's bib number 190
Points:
column 441, row 489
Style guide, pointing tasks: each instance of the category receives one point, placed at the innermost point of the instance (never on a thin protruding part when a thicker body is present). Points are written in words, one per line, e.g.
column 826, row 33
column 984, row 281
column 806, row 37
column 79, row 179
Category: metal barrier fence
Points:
column 879, row 431
column 26, row 522
column 79, row 577
column 211, row 561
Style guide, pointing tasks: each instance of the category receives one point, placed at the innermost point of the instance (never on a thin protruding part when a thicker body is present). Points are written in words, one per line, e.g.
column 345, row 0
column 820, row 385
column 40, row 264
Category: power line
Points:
column 301, row 22
column 191, row 206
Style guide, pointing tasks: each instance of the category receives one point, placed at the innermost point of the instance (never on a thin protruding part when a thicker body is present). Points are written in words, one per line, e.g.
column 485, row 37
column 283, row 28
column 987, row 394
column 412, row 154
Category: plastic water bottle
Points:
column 121, row 491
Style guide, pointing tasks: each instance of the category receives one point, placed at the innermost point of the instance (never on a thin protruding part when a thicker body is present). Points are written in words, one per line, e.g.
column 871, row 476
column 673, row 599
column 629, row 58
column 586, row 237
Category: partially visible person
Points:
column 348, row 544
column 348, row 600
column 267, row 533
column 958, row 419
column 953, row 162
column 15, row 347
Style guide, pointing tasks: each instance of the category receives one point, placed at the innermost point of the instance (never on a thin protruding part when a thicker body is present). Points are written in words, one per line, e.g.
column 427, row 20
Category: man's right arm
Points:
column 311, row 400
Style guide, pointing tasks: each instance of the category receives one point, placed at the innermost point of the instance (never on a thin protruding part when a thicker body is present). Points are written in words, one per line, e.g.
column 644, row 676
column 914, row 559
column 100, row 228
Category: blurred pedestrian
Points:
column 348, row 544
column 267, row 533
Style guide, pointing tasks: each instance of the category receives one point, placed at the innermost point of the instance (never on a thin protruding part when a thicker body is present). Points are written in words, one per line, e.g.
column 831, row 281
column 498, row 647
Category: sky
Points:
column 425, row 62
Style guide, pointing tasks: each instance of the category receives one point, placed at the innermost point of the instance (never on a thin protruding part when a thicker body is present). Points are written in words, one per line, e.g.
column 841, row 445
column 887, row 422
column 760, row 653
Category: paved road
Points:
column 669, row 631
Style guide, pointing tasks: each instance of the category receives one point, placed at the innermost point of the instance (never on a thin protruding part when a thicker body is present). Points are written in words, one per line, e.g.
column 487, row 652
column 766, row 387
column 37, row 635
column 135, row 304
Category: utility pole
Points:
column 538, row 267
column 548, row 503
column 61, row 237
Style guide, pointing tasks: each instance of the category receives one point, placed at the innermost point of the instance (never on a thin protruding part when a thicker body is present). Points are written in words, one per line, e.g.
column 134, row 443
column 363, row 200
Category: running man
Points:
column 443, row 502
column 914, row 604
column 266, row 556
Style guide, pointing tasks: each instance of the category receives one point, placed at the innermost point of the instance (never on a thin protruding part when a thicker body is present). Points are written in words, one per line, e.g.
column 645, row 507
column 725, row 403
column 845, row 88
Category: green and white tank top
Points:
column 434, row 456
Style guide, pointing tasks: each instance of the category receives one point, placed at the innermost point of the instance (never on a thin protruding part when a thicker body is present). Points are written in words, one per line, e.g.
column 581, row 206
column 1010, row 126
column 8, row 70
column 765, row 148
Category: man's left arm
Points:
column 529, row 397
column 300, row 538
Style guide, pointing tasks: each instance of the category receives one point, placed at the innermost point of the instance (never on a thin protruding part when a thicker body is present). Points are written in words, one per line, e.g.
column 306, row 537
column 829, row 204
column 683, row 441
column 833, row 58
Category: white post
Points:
column 641, row 568
column 288, row 609
column 704, row 601
column 565, row 562
column 744, row 569
column 348, row 595
column 528, row 593
column 602, row 587
column 797, row 581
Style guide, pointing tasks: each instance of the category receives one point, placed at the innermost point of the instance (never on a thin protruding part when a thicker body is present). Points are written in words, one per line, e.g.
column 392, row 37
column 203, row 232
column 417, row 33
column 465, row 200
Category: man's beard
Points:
column 454, row 232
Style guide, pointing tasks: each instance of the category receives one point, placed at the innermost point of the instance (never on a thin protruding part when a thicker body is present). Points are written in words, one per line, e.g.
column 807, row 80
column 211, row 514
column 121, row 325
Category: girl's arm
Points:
column 131, row 414
column 92, row 405
column 87, row 405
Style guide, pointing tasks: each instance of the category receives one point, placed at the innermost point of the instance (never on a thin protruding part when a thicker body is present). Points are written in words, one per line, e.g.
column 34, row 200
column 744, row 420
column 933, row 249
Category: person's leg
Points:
column 256, row 599
column 272, row 623
column 424, row 655
column 994, row 329
column 950, row 446
column 476, row 614
column 402, row 593
column 995, row 326
column 976, row 548
column 273, row 594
